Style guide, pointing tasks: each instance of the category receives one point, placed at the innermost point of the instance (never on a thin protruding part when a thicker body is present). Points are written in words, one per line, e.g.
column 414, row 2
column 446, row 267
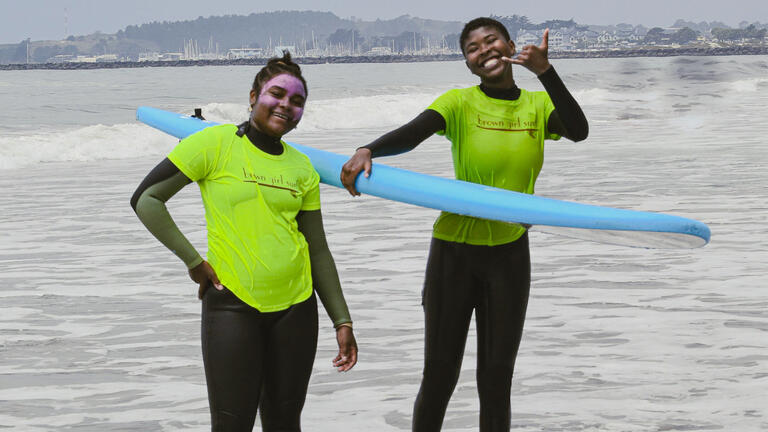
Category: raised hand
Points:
column 533, row 57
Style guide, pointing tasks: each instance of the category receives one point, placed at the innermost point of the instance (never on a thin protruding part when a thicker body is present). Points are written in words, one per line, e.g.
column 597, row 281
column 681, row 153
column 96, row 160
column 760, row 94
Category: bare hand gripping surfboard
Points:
column 605, row 224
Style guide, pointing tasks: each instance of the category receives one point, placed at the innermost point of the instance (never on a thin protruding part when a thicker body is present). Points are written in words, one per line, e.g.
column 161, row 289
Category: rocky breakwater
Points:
column 608, row 53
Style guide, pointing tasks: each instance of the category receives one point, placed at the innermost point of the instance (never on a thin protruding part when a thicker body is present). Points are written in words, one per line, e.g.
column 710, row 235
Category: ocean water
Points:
column 99, row 323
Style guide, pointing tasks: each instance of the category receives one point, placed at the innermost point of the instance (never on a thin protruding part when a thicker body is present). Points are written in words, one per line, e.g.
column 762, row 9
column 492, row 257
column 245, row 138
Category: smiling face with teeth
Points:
column 279, row 106
column 483, row 49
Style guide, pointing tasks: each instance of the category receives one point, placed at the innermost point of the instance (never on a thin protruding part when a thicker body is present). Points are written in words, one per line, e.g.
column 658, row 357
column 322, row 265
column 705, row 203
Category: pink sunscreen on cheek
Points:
column 292, row 86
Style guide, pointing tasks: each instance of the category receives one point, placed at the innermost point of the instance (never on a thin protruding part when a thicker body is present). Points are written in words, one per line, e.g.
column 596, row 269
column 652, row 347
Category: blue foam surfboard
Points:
column 612, row 225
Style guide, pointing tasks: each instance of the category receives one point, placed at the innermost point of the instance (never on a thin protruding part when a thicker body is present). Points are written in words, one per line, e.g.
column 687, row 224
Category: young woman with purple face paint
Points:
column 280, row 105
column 475, row 266
column 267, row 256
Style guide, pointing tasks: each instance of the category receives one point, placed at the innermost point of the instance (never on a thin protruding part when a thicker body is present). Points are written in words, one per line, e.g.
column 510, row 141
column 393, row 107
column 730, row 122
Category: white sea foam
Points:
column 593, row 96
column 360, row 112
column 83, row 144
column 130, row 140
column 122, row 141
column 748, row 85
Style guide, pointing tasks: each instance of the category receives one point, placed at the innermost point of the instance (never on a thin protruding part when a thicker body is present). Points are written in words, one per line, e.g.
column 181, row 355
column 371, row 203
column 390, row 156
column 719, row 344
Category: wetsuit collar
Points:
column 512, row 93
column 267, row 144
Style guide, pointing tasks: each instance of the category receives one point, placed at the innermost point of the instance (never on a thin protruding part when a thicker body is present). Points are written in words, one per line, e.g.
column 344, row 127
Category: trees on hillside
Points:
column 658, row 35
column 750, row 32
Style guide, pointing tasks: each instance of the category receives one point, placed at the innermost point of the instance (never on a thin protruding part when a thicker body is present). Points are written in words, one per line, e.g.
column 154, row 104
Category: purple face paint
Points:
column 279, row 106
column 283, row 89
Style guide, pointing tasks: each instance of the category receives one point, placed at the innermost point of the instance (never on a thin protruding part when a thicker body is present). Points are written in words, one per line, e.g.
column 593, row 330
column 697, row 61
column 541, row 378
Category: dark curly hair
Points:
column 481, row 22
column 276, row 66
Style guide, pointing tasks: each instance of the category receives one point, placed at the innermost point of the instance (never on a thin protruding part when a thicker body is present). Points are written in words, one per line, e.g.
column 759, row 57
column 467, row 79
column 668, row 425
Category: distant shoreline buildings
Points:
column 418, row 40
column 610, row 53
column 561, row 44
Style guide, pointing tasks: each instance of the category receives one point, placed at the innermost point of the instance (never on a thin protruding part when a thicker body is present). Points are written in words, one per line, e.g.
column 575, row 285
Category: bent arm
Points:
column 567, row 119
column 407, row 137
column 163, row 182
column 325, row 278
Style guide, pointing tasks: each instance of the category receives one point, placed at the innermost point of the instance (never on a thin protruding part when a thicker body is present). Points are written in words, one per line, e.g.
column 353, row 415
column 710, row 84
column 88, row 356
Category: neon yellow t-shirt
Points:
column 251, row 199
column 497, row 143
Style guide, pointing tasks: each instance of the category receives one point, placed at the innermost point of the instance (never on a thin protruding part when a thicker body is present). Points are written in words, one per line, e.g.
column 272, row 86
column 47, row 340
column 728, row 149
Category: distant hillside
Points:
column 310, row 33
column 702, row 27
column 238, row 31
column 406, row 23
column 303, row 29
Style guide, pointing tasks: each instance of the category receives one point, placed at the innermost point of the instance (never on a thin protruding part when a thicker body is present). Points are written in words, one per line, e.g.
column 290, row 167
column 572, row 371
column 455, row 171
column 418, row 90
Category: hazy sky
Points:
column 56, row 19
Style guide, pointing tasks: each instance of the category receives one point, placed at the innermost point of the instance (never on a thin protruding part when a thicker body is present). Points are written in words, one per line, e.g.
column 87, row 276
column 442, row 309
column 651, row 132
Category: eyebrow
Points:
column 283, row 89
column 490, row 35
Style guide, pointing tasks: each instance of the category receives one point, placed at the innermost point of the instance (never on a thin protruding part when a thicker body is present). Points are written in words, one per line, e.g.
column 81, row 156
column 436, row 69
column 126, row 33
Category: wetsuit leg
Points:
column 291, row 347
column 233, row 347
column 499, row 316
column 448, row 304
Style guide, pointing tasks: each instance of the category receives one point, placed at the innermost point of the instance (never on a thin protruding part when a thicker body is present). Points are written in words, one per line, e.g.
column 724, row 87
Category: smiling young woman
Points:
column 484, row 48
column 267, row 256
column 497, row 131
column 278, row 105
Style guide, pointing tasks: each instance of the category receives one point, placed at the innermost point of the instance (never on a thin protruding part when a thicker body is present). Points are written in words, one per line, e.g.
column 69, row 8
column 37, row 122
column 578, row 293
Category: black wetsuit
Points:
column 492, row 281
column 257, row 361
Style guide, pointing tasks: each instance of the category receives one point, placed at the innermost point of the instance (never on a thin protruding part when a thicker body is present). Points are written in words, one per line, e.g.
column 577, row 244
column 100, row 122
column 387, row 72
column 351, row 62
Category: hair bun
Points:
column 276, row 66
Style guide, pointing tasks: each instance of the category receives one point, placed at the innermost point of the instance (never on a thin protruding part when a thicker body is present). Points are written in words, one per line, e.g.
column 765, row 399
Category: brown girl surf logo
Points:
column 508, row 125
column 277, row 182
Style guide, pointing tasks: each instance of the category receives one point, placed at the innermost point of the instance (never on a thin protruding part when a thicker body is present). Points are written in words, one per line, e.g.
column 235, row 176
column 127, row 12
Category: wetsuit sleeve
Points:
column 407, row 137
column 325, row 278
column 149, row 204
column 567, row 119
